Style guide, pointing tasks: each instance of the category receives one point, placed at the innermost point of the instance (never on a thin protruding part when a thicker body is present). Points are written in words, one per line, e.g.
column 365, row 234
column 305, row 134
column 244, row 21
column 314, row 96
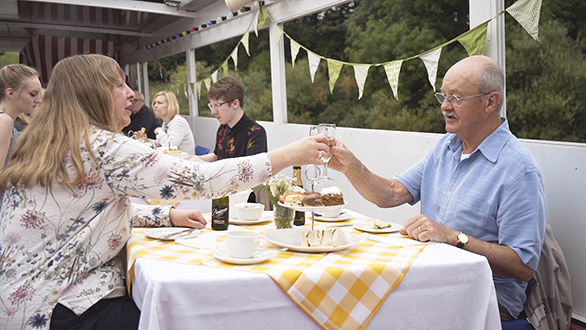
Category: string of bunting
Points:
column 526, row 12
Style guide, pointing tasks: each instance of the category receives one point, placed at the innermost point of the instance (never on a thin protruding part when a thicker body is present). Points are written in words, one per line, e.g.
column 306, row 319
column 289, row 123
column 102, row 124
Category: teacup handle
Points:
column 262, row 246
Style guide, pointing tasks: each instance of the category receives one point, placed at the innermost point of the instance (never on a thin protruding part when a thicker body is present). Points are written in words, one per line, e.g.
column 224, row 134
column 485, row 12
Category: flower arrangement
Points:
column 277, row 186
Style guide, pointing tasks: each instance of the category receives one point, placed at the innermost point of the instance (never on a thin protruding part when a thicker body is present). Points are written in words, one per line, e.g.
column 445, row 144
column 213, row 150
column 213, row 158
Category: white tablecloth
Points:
column 445, row 288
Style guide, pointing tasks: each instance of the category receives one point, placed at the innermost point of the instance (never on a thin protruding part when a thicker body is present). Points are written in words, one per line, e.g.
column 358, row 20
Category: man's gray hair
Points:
column 493, row 80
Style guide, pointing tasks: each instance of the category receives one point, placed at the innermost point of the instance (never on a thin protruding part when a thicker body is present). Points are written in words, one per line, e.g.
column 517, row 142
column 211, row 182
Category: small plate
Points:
column 160, row 233
column 291, row 239
column 341, row 217
column 224, row 256
column 367, row 226
column 265, row 217
column 312, row 208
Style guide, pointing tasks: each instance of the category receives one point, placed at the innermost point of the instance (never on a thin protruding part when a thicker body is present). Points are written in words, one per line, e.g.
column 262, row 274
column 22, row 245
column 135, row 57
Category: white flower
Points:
column 277, row 185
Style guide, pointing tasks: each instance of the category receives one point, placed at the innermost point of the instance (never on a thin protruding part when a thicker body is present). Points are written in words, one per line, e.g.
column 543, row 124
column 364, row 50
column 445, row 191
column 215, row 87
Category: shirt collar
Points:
column 491, row 146
column 242, row 122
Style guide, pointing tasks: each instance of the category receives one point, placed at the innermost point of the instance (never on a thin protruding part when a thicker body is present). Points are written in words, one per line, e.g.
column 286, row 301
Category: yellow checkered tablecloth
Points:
column 339, row 290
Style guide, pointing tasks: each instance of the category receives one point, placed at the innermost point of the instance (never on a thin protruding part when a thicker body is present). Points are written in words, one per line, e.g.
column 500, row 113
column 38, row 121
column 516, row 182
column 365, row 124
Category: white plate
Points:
column 291, row 239
column 160, row 233
column 224, row 255
column 341, row 217
column 311, row 208
column 265, row 217
column 368, row 226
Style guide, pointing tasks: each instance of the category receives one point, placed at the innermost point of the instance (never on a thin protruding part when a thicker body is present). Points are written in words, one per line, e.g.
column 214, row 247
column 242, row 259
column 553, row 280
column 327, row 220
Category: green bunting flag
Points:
column 262, row 17
column 474, row 39
column 334, row 68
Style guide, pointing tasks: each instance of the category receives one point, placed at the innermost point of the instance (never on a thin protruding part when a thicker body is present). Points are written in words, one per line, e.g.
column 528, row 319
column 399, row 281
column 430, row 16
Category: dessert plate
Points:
column 224, row 256
column 291, row 239
column 171, row 233
column 311, row 208
column 368, row 226
column 265, row 217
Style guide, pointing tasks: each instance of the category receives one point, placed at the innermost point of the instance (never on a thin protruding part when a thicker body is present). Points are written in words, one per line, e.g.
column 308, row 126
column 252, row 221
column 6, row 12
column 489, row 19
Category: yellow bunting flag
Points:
column 234, row 56
column 208, row 83
column 393, row 69
column 245, row 41
column 278, row 35
column 314, row 60
column 360, row 73
column 431, row 61
column 262, row 17
column 225, row 66
column 294, row 51
column 334, row 68
column 474, row 39
column 215, row 76
column 526, row 12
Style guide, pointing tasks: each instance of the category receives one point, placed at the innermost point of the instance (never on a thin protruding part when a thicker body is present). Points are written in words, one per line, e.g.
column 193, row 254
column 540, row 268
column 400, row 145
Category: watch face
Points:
column 462, row 239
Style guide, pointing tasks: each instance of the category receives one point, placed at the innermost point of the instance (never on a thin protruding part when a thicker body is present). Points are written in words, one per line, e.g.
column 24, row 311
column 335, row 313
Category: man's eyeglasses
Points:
column 217, row 105
column 454, row 100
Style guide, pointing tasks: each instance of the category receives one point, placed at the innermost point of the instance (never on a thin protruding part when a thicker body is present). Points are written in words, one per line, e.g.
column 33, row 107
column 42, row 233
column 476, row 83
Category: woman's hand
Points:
column 187, row 218
column 301, row 152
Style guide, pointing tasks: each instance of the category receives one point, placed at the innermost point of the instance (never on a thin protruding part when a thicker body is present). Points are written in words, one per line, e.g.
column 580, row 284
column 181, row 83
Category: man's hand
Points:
column 424, row 229
column 187, row 218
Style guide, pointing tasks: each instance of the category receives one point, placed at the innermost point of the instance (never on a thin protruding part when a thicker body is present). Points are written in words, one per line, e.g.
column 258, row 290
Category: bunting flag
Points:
column 215, row 76
column 225, row 67
column 255, row 19
column 262, row 17
column 278, row 35
column 234, row 56
column 334, row 68
column 198, row 86
column 294, row 51
column 245, row 41
column 314, row 60
column 526, row 12
column 208, row 83
column 360, row 74
column 474, row 40
column 392, row 69
column 431, row 60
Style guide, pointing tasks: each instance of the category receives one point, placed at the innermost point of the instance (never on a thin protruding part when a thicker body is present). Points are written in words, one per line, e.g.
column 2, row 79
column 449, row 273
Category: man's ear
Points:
column 236, row 102
column 493, row 100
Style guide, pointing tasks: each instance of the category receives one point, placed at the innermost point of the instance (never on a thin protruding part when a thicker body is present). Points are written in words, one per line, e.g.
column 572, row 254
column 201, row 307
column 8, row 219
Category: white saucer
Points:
column 368, row 226
column 224, row 256
column 265, row 217
column 341, row 217
column 160, row 233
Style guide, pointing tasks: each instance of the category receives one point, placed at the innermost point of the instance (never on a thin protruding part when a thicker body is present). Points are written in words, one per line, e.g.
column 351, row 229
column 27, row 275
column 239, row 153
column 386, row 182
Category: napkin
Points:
column 394, row 241
column 205, row 241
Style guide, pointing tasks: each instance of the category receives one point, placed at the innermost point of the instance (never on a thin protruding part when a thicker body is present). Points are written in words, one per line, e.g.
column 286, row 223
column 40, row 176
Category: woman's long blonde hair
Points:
column 172, row 103
column 79, row 94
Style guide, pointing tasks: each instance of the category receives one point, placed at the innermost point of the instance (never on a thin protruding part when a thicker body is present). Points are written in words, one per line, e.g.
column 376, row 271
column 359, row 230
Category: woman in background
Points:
column 175, row 131
column 20, row 93
column 66, row 213
column 21, row 122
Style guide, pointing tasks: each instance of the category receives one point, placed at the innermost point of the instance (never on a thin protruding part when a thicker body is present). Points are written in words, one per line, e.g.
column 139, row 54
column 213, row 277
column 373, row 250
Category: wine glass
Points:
column 329, row 130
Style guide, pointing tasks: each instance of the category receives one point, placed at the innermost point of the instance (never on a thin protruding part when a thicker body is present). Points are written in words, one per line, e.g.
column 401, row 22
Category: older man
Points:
column 479, row 188
column 142, row 116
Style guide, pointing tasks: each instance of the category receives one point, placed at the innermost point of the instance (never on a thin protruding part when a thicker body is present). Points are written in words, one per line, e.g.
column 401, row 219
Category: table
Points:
column 445, row 288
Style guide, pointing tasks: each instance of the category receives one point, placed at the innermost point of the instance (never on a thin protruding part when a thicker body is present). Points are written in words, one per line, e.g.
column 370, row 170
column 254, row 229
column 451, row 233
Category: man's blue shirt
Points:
column 496, row 195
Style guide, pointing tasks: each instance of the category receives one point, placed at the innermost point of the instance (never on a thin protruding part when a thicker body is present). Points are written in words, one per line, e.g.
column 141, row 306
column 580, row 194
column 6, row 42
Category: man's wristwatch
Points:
column 462, row 240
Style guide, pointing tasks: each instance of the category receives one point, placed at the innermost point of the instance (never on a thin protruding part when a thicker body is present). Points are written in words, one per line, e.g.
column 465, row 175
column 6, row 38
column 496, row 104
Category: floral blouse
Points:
column 63, row 244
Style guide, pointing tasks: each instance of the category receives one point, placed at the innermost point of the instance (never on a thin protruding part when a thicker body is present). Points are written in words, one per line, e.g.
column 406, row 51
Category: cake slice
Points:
column 330, row 237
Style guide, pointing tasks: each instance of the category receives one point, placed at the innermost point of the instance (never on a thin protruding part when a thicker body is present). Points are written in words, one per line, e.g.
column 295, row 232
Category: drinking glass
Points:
column 329, row 130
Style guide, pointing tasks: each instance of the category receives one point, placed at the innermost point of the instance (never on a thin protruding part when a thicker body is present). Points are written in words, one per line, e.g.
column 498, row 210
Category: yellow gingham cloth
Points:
column 339, row 290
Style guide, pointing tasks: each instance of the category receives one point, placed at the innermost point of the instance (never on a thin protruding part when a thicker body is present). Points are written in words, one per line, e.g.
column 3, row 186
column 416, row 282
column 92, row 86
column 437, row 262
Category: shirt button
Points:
column 439, row 219
column 449, row 193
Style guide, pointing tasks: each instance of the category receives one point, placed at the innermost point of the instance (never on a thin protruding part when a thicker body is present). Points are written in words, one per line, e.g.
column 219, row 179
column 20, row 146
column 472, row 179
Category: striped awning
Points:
column 43, row 52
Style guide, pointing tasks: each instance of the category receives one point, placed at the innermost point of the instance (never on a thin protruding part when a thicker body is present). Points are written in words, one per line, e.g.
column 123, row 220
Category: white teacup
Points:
column 331, row 212
column 243, row 244
column 237, row 198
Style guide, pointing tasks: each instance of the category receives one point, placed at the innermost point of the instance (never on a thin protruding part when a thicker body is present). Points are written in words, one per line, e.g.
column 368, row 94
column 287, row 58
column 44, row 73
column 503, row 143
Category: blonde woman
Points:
column 175, row 130
column 20, row 93
column 66, row 215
